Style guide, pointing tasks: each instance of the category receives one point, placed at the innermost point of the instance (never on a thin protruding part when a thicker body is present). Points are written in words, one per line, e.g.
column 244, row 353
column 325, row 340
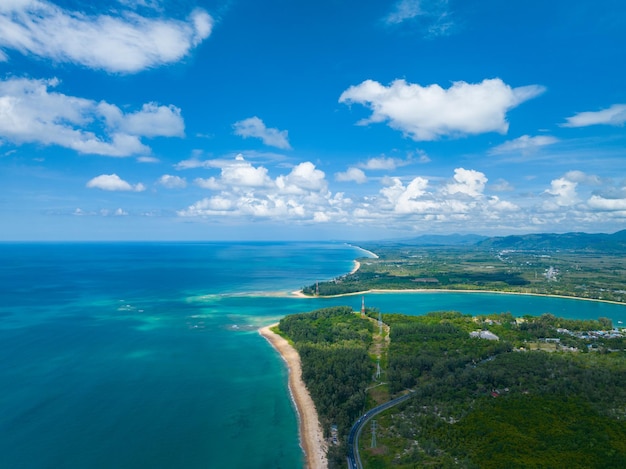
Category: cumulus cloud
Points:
column 246, row 190
column 236, row 172
column 127, row 43
column 498, row 205
column 112, row 182
column 615, row 115
column 351, row 174
column 563, row 192
column 301, row 195
column 303, row 177
column 243, row 174
column 603, row 204
column 468, row 182
column 30, row 112
column 432, row 112
column 254, row 127
column 452, row 201
column 524, row 144
column 172, row 182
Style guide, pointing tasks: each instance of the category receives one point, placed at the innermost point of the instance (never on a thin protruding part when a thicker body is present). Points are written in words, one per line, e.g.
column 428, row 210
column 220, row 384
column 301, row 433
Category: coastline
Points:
column 300, row 294
column 311, row 434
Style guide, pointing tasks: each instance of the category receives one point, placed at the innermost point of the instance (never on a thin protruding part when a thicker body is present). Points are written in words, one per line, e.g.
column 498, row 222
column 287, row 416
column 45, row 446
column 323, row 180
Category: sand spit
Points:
column 311, row 434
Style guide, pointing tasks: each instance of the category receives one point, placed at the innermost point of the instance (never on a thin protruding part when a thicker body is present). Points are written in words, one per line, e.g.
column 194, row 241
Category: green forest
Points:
column 539, row 392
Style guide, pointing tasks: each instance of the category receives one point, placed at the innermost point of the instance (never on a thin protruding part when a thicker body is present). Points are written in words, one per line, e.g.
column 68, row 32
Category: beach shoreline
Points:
column 311, row 435
column 300, row 294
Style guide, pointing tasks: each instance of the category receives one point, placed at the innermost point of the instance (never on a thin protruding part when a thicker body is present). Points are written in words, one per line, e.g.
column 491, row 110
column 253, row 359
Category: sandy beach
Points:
column 311, row 434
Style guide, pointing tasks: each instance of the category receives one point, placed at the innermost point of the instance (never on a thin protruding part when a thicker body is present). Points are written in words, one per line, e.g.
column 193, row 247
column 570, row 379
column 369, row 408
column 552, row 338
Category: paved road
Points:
column 354, row 460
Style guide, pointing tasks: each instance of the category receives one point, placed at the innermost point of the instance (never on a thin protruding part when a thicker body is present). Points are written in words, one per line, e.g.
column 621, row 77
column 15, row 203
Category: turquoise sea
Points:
column 129, row 355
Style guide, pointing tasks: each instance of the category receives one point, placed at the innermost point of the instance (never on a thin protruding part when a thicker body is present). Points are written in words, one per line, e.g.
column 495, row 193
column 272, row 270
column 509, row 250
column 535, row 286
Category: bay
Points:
column 147, row 354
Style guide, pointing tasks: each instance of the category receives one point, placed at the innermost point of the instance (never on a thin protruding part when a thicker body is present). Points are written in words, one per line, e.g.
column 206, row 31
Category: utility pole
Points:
column 373, row 433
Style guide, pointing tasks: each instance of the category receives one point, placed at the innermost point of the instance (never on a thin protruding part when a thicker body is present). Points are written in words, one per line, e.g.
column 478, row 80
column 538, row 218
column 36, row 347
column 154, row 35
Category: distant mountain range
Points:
column 566, row 241
column 532, row 242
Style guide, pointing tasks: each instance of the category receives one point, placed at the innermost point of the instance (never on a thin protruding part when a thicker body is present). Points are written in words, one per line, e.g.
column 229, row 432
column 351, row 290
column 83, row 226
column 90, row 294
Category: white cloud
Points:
column 385, row 163
column 248, row 191
column 579, row 176
column 615, row 115
column 501, row 205
column 254, row 127
column 194, row 163
column 465, row 201
column 112, row 182
column 404, row 10
column 524, row 144
column 303, row 177
column 147, row 159
column 431, row 112
column 105, row 212
column 433, row 15
column 172, row 182
column 236, row 172
column 468, row 182
column 152, row 121
column 31, row 113
column 600, row 203
column 209, row 183
column 243, row 174
column 124, row 44
column 564, row 193
column 409, row 199
column 352, row 174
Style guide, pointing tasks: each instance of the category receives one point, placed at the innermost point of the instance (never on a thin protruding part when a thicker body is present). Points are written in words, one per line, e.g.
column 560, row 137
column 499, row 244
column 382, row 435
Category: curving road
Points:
column 354, row 460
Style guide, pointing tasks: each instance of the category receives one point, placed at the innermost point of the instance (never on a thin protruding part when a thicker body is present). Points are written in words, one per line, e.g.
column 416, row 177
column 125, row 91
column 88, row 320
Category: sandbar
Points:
column 311, row 434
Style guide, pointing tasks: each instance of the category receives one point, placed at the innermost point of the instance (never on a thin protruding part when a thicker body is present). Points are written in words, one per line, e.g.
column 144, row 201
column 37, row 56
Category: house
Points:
column 484, row 335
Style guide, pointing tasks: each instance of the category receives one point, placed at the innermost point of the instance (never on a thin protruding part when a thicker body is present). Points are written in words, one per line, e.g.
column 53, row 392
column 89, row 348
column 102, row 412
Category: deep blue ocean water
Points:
column 132, row 355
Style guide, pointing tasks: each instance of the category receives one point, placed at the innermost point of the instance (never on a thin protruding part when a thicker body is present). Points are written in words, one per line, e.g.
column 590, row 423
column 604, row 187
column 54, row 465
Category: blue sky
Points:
column 333, row 119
